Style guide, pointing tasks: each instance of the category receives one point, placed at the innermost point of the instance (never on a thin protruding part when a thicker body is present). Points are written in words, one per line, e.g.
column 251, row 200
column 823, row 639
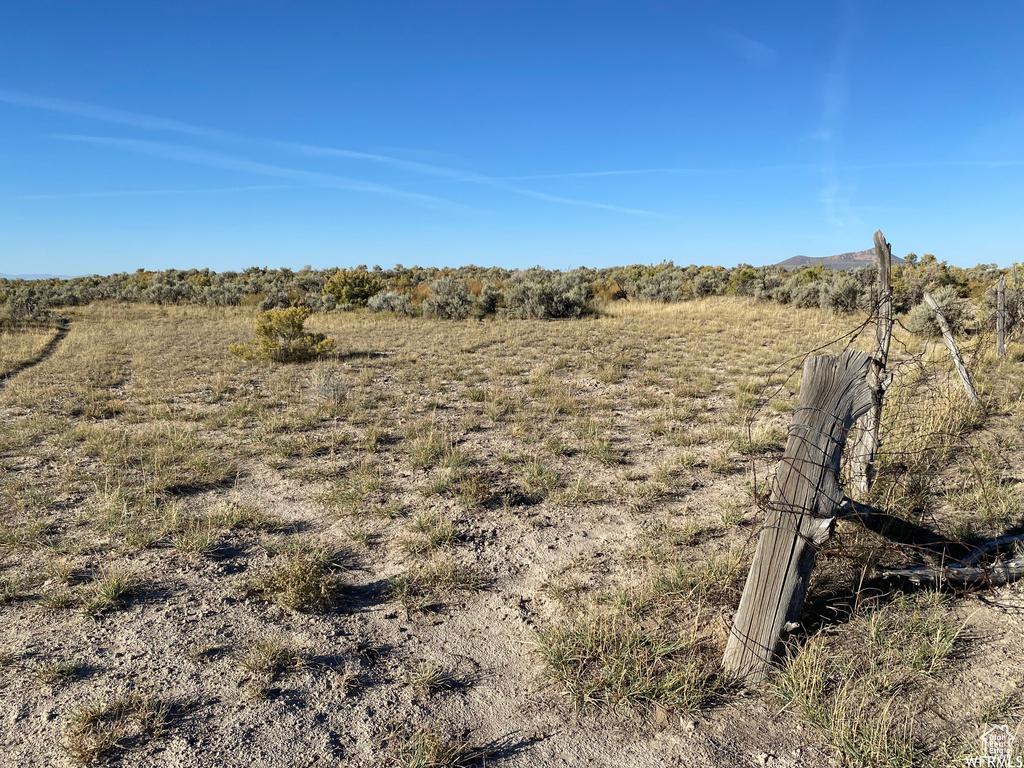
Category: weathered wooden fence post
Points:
column 958, row 361
column 862, row 462
column 801, row 512
column 1018, row 294
column 1001, row 318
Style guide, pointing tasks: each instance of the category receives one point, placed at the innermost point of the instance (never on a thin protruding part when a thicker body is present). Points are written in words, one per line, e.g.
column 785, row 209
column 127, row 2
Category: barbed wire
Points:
column 927, row 425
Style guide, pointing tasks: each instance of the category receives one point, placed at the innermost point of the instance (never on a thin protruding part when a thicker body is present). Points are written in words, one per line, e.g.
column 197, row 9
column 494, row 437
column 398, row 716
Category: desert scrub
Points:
column 921, row 319
column 449, row 299
column 281, row 337
column 548, row 295
column 301, row 577
column 395, row 303
column 353, row 286
column 325, row 388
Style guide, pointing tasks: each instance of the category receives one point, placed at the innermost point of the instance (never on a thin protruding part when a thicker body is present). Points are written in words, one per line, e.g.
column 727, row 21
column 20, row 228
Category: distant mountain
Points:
column 851, row 260
column 32, row 277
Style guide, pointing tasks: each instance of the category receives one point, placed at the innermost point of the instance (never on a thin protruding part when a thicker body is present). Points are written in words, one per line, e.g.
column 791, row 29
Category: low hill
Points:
column 32, row 277
column 851, row 260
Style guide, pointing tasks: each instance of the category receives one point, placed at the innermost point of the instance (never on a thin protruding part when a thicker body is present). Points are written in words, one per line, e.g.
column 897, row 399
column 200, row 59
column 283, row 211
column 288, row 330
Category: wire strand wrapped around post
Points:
column 867, row 443
column 805, row 499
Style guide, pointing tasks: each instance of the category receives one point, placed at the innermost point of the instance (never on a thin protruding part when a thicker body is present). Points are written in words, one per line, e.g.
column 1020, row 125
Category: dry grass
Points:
column 22, row 345
column 617, row 663
column 104, row 728
column 427, row 747
column 594, row 476
column 109, row 592
column 301, row 577
column 855, row 689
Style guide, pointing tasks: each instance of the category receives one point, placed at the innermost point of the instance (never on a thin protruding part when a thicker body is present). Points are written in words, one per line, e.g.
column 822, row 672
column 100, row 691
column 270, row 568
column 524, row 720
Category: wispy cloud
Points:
column 571, row 201
column 816, row 167
column 454, row 174
column 156, row 192
column 121, row 117
column 934, row 164
column 228, row 162
column 655, row 171
column 753, row 51
column 103, row 114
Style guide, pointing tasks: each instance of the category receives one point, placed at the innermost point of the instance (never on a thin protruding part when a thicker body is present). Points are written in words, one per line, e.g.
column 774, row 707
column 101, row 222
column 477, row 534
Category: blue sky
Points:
column 227, row 134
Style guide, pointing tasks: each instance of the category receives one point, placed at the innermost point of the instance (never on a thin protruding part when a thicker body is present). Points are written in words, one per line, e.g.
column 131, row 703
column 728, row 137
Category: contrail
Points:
column 155, row 192
column 229, row 162
column 148, row 122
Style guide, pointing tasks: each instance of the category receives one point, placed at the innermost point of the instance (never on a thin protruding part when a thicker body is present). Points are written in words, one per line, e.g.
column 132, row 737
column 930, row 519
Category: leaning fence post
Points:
column 958, row 361
column 1001, row 318
column 862, row 462
column 801, row 511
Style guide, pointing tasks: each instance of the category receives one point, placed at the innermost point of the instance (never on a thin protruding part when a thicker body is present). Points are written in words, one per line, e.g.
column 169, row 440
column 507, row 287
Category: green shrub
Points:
column 387, row 301
column 710, row 282
column 274, row 300
column 449, row 299
column 549, row 296
column 21, row 309
column 353, row 286
column 842, row 292
column 489, row 301
column 662, row 285
column 281, row 337
column 921, row 319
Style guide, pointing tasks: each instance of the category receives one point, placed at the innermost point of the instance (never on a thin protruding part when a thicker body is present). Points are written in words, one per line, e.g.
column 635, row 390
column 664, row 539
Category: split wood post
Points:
column 1001, row 317
column 1018, row 290
column 801, row 512
column 862, row 462
column 954, row 352
column 1019, row 295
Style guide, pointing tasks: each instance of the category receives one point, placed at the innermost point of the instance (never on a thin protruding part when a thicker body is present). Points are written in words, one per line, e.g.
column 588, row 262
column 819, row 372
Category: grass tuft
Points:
column 426, row 678
column 110, row 592
column 610, row 661
column 426, row 747
column 270, row 657
column 102, row 729
column 301, row 577
column 422, row 587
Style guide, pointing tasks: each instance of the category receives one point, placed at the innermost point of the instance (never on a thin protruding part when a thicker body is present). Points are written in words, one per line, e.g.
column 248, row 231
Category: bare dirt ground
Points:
column 454, row 543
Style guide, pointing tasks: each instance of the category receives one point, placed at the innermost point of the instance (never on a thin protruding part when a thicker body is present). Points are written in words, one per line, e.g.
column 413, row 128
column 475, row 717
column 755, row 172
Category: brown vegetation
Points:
column 446, row 541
